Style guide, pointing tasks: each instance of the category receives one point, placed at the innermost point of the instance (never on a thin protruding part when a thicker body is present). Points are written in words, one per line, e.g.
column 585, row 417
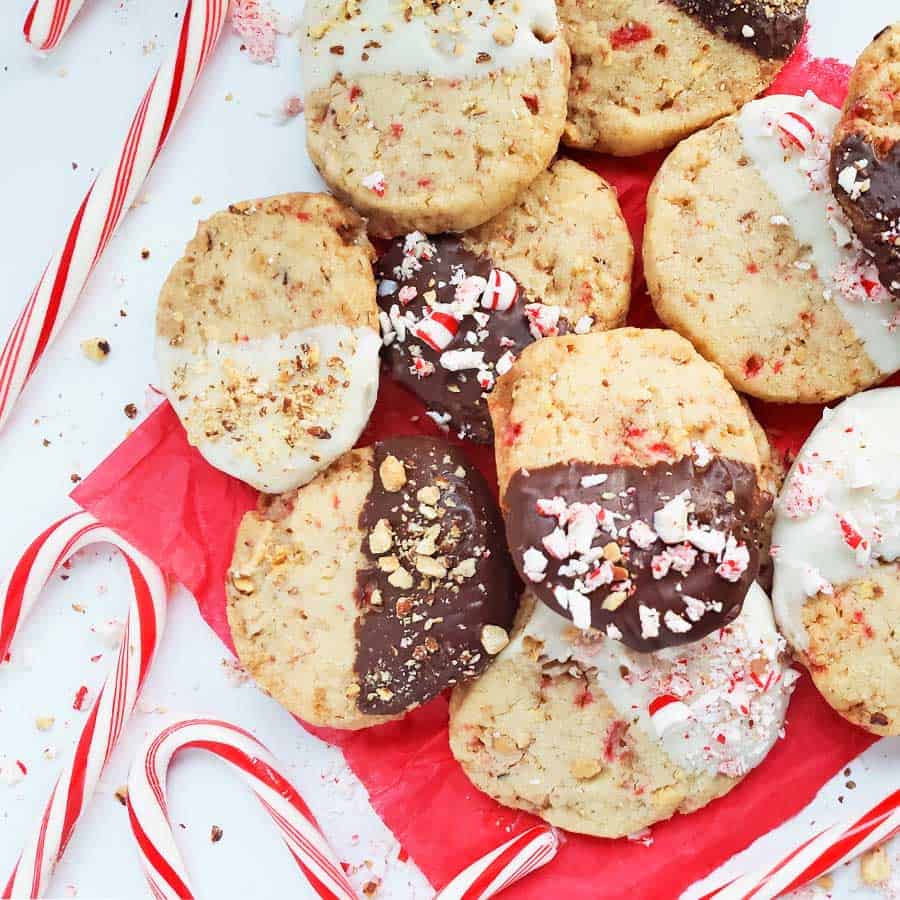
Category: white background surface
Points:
column 63, row 116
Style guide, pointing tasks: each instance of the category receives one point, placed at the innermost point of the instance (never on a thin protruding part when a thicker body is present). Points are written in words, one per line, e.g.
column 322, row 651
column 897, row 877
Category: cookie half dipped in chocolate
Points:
column 374, row 587
column 865, row 155
column 633, row 485
column 456, row 310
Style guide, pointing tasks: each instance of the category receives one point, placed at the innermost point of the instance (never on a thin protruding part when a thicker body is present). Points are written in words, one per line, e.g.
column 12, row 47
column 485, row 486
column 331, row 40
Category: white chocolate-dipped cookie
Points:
column 267, row 338
column 836, row 544
column 603, row 740
column 749, row 256
column 432, row 117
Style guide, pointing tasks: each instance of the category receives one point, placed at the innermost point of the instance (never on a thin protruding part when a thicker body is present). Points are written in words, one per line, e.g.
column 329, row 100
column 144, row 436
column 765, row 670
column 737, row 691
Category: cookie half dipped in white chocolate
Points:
column 836, row 545
column 267, row 338
column 596, row 738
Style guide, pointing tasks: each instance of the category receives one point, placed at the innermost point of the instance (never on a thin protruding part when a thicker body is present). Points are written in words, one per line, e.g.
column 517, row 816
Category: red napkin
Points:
column 159, row 493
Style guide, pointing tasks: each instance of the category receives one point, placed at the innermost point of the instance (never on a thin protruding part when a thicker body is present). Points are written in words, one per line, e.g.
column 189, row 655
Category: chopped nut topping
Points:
column 400, row 578
column 430, row 567
column 614, row 600
column 393, row 474
column 494, row 639
column 381, row 539
column 429, row 495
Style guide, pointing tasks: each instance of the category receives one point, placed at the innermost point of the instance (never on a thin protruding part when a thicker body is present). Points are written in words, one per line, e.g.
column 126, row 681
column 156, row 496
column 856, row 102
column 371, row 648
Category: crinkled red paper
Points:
column 160, row 494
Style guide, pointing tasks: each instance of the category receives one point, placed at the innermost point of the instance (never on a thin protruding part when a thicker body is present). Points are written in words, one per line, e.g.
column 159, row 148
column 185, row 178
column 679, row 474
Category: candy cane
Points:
column 498, row 869
column 148, row 807
column 117, row 697
column 818, row 855
column 501, row 290
column 107, row 200
column 48, row 20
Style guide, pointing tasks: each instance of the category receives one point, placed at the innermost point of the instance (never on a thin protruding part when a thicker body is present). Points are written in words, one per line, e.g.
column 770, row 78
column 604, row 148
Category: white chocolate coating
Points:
column 458, row 39
column 733, row 686
column 269, row 443
column 799, row 180
column 843, row 489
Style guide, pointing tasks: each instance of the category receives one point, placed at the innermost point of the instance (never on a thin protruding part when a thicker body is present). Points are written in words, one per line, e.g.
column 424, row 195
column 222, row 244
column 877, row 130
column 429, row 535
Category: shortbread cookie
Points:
column 632, row 485
column 432, row 117
column 267, row 338
column 374, row 587
column 865, row 154
column 457, row 310
column 748, row 255
column 646, row 73
column 837, row 559
column 601, row 740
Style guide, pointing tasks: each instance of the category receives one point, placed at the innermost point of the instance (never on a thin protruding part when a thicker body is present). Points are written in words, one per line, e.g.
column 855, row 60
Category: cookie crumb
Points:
column 121, row 794
column 874, row 866
column 215, row 834
column 96, row 349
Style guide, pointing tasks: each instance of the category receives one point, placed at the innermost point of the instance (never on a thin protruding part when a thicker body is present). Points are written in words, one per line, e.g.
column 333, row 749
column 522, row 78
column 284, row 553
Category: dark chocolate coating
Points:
column 636, row 493
column 777, row 27
column 418, row 641
column 456, row 394
column 875, row 214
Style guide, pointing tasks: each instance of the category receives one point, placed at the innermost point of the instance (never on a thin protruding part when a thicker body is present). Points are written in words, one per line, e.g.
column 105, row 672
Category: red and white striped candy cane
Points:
column 104, row 725
column 498, row 869
column 148, row 807
column 818, row 855
column 107, row 200
column 48, row 20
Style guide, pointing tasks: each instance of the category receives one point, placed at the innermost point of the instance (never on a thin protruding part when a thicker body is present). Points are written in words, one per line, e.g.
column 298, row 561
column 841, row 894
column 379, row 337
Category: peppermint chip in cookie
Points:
column 432, row 116
column 632, row 485
column 748, row 254
column 374, row 587
column 456, row 310
column 865, row 154
column 602, row 740
column 836, row 545
column 646, row 73
column 267, row 338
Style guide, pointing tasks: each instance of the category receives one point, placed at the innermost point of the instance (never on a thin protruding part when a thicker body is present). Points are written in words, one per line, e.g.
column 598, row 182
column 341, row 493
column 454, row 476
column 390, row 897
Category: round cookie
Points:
column 600, row 740
column 267, row 338
column 457, row 310
column 631, row 483
column 432, row 117
column 373, row 588
column 646, row 73
column 748, row 255
column 865, row 154
column 836, row 545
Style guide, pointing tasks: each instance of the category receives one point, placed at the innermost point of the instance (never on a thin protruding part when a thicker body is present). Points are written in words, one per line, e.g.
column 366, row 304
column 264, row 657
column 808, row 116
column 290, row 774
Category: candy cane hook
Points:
column 106, row 721
column 509, row 862
column 48, row 21
column 107, row 200
column 148, row 807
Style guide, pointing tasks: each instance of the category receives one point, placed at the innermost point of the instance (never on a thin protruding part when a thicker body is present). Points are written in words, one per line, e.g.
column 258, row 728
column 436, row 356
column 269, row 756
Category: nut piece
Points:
column 429, row 495
column 494, row 639
column 614, row 600
column 584, row 769
column 393, row 474
column 430, row 567
column 381, row 538
column 243, row 584
column 874, row 866
column 400, row 578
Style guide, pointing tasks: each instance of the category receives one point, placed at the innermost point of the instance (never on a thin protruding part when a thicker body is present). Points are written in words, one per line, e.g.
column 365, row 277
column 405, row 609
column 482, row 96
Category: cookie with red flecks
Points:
column 603, row 740
column 456, row 310
column 865, row 154
column 373, row 588
column 836, row 545
column 632, row 485
column 647, row 73
column 432, row 116
column 749, row 255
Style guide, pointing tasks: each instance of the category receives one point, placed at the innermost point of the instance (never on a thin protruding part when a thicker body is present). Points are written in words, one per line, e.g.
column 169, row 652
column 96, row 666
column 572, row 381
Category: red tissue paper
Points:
column 161, row 495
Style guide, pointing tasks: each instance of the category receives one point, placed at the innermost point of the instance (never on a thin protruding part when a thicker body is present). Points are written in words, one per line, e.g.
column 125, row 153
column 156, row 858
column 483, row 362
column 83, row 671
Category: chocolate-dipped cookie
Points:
column 647, row 73
column 456, row 310
column 865, row 155
column 632, row 483
column 373, row 588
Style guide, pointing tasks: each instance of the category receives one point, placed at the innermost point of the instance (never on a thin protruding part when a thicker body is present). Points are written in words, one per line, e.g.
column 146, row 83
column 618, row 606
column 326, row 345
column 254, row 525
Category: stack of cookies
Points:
column 604, row 620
